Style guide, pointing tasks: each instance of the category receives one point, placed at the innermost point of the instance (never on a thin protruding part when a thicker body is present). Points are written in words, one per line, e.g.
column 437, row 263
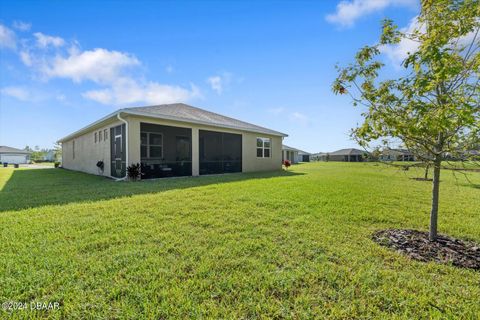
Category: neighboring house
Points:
column 294, row 155
column 389, row 154
column 347, row 155
column 49, row 156
column 320, row 156
column 13, row 155
column 171, row 140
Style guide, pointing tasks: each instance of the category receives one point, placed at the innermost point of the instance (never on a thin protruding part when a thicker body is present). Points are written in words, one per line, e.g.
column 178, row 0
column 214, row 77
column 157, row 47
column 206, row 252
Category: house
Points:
column 389, row 154
column 294, row 155
column 171, row 140
column 49, row 156
column 13, row 155
column 347, row 155
column 319, row 156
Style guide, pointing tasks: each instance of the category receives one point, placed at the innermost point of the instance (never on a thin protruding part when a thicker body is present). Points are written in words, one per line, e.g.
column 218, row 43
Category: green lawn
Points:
column 290, row 244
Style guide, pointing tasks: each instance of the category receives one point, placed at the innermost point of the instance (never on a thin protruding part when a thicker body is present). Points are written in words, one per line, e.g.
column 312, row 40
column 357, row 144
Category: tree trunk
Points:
column 435, row 197
column 427, row 166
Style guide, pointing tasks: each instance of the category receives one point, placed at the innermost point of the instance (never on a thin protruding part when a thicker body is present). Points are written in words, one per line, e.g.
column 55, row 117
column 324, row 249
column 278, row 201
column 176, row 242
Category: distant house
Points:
column 319, row 156
column 49, row 156
column 347, row 155
column 294, row 155
column 171, row 140
column 13, row 155
column 389, row 154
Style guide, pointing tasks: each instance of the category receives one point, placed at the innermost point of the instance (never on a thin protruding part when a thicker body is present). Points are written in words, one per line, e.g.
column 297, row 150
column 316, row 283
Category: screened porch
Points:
column 165, row 151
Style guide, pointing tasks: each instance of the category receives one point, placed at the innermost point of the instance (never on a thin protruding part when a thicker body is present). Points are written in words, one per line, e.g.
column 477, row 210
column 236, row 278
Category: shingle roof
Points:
column 184, row 112
column 396, row 151
column 5, row 149
column 345, row 152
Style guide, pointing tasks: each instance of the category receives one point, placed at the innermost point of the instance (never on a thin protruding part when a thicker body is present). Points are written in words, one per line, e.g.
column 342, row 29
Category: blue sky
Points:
column 65, row 64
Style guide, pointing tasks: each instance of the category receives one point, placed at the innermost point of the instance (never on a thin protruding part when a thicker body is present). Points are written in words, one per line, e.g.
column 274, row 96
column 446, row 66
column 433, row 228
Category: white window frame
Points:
column 105, row 134
column 263, row 147
column 148, row 145
column 100, row 136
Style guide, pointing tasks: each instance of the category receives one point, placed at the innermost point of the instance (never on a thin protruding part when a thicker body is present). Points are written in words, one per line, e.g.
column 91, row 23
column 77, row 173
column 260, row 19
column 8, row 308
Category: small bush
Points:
column 134, row 172
column 56, row 164
column 286, row 163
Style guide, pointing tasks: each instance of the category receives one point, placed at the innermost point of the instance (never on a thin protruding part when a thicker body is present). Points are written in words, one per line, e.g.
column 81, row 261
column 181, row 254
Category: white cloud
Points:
column 216, row 83
column 349, row 11
column 26, row 58
column 276, row 111
column 299, row 118
column 116, row 74
column 127, row 91
column 169, row 69
column 7, row 38
column 44, row 40
column 16, row 92
column 397, row 53
column 219, row 82
column 98, row 65
column 22, row 26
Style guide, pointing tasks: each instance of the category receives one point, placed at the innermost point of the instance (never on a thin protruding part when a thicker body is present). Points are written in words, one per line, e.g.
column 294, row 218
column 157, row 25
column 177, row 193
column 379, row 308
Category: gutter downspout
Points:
column 126, row 147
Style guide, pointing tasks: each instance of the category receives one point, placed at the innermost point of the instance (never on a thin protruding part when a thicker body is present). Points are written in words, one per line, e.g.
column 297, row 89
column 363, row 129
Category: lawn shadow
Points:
column 34, row 188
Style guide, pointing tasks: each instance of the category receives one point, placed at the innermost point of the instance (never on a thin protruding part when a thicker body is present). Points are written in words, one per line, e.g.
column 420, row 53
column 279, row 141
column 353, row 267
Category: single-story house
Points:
column 347, row 155
column 389, row 154
column 14, row 155
column 49, row 156
column 294, row 155
column 171, row 140
column 319, row 156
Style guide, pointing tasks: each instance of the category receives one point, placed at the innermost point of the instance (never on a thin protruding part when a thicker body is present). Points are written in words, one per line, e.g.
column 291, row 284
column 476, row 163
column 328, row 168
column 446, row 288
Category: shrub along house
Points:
column 171, row 140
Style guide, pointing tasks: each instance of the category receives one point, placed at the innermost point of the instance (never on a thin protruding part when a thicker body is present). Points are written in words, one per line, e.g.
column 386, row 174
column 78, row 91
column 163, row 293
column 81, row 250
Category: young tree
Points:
column 434, row 105
column 57, row 149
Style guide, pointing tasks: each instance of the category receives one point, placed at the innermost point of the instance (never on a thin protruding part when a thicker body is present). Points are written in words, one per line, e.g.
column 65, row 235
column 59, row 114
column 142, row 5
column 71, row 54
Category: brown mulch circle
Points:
column 416, row 245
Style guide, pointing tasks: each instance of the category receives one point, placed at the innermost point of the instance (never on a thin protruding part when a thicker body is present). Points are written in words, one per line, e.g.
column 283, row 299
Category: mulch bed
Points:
column 446, row 250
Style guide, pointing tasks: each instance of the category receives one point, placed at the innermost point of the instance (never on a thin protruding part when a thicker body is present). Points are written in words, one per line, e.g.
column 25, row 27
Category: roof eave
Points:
column 90, row 126
column 149, row 115
column 179, row 119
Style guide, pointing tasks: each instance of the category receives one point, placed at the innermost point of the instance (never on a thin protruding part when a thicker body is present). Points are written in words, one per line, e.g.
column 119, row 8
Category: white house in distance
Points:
column 294, row 155
column 171, row 140
column 14, row 155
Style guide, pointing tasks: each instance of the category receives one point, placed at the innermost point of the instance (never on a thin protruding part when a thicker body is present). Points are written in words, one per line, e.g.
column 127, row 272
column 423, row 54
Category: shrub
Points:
column 286, row 163
column 56, row 164
column 134, row 172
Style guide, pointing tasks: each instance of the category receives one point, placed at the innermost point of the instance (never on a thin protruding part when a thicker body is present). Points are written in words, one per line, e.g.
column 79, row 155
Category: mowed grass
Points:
column 290, row 244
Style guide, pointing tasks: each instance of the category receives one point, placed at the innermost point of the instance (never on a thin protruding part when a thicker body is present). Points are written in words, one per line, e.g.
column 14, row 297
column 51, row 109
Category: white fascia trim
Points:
column 87, row 128
column 149, row 115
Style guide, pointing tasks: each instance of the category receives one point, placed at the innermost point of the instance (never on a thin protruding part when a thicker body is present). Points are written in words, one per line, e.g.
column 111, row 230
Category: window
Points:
column 263, row 147
column 73, row 149
column 95, row 139
column 151, row 145
column 105, row 134
column 100, row 135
